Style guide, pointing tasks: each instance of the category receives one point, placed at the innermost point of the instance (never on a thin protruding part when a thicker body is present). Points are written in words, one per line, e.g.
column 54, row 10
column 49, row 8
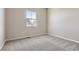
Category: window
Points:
column 31, row 20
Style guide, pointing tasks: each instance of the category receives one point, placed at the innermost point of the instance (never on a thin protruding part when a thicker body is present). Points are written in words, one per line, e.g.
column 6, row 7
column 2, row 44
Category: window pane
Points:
column 33, row 15
column 28, row 14
column 31, row 20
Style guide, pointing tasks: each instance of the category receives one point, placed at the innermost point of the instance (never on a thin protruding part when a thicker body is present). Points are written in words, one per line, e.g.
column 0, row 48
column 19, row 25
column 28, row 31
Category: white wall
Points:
column 2, row 34
column 64, row 23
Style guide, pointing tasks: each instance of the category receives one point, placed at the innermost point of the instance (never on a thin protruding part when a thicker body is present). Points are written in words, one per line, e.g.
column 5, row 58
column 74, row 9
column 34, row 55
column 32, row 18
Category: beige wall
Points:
column 15, row 23
column 64, row 23
column 2, row 27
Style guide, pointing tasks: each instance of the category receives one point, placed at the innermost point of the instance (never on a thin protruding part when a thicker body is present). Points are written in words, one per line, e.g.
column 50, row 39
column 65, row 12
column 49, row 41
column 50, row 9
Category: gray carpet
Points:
column 41, row 43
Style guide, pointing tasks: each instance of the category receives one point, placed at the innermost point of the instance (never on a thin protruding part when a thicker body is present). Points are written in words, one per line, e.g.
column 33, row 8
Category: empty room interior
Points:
column 39, row 29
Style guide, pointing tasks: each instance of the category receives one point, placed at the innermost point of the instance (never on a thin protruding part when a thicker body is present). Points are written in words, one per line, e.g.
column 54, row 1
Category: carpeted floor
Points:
column 41, row 43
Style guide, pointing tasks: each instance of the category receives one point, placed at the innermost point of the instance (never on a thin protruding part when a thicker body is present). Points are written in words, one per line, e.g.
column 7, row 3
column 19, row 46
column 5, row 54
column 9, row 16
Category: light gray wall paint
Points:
column 2, row 27
column 64, row 22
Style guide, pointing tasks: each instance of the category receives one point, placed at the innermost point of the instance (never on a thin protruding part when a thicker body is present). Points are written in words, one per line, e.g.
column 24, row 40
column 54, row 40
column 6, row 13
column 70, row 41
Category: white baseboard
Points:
column 55, row 35
column 15, row 38
column 2, row 45
column 25, row 37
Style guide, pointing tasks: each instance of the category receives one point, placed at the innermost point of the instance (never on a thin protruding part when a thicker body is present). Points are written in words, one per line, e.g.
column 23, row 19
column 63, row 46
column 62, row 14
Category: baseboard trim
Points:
column 25, row 37
column 2, row 45
column 55, row 35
